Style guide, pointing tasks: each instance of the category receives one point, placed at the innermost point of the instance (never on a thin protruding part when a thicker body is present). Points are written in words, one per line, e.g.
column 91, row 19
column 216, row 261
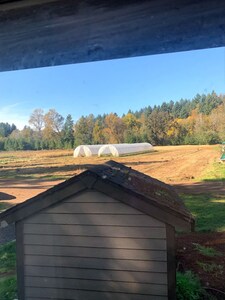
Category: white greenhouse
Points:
column 86, row 150
column 121, row 149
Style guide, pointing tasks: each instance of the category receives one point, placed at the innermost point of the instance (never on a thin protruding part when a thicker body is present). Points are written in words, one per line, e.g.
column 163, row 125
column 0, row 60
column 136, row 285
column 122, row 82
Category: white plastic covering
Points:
column 86, row 150
column 120, row 149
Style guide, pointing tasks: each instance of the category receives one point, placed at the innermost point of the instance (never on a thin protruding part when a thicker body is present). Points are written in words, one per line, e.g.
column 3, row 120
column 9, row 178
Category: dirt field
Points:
column 25, row 174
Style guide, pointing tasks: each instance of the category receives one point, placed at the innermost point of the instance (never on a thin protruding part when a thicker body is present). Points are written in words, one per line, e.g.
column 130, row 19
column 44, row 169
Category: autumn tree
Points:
column 114, row 129
column 132, row 128
column 98, row 132
column 52, row 131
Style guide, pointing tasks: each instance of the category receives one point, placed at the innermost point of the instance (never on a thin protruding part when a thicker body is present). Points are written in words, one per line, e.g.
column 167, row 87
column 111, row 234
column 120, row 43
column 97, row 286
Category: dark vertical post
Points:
column 20, row 260
column 171, row 263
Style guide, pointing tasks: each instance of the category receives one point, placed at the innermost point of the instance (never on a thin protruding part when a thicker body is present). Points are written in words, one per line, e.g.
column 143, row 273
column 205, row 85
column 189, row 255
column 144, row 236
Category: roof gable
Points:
column 140, row 191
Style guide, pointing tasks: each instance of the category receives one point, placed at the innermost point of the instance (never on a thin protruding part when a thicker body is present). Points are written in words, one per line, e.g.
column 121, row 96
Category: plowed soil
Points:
column 26, row 174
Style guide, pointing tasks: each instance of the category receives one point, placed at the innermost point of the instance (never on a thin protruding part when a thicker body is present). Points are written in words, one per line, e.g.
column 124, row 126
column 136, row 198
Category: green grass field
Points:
column 208, row 210
column 216, row 172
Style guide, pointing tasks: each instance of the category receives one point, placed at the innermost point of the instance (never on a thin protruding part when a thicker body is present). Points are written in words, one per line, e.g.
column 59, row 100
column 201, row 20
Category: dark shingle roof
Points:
column 162, row 194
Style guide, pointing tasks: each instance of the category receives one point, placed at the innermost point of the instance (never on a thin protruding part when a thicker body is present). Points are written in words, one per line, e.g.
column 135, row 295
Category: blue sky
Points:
column 110, row 86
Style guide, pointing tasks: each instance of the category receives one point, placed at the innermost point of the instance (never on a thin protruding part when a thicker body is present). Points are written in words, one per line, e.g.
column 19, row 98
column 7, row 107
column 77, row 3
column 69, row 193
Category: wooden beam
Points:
column 171, row 262
column 48, row 33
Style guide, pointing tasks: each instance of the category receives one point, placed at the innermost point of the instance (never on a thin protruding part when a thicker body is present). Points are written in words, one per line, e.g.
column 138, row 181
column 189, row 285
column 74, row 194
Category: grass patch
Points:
column 216, row 172
column 8, row 288
column 4, row 206
column 8, row 258
column 208, row 210
column 206, row 251
column 188, row 287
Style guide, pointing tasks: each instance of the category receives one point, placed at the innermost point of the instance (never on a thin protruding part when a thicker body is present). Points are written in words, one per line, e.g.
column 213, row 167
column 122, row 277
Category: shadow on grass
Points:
column 212, row 187
column 214, row 180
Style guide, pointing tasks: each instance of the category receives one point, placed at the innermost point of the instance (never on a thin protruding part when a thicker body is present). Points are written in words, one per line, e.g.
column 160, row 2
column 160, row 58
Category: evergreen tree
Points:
column 68, row 133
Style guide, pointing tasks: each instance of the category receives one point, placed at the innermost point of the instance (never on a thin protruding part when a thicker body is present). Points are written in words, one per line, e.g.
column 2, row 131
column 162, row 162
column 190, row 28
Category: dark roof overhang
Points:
column 41, row 33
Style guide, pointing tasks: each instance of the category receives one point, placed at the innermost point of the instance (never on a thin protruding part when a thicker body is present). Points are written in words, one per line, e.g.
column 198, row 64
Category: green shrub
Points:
column 188, row 286
column 7, row 258
column 8, row 288
column 206, row 251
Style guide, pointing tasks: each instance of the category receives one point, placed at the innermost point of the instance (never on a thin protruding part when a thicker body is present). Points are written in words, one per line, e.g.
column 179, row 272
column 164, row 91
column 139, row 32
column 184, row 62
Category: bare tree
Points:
column 37, row 119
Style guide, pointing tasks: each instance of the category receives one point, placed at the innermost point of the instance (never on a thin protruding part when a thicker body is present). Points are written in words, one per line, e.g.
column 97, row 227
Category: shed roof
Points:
column 136, row 189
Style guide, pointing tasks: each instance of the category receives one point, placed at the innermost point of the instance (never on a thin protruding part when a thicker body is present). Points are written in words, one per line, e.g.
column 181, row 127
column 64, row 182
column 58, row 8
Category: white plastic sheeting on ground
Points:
column 86, row 150
column 120, row 149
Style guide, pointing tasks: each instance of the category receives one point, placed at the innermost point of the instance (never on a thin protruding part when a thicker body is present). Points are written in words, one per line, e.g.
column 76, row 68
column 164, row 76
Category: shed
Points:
column 107, row 233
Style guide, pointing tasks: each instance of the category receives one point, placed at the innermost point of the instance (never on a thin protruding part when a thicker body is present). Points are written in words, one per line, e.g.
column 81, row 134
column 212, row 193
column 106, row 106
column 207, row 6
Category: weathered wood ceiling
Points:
column 53, row 32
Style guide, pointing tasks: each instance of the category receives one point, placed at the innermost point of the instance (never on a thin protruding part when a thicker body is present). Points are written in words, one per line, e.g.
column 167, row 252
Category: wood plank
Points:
column 96, row 263
column 93, row 208
column 95, row 219
column 98, row 242
column 110, row 275
column 96, row 252
column 107, row 231
column 56, row 294
column 96, row 285
column 91, row 197
column 171, row 262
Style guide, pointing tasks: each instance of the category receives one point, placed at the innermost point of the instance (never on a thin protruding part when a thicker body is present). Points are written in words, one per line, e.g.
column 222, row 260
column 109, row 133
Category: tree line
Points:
column 200, row 120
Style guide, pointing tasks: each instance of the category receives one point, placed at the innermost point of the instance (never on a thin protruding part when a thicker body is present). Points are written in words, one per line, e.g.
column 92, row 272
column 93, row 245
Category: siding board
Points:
column 95, row 252
column 98, row 242
column 56, row 294
column 96, row 263
column 93, row 208
column 95, row 285
column 91, row 197
column 93, row 247
column 107, row 231
column 95, row 219
column 92, row 274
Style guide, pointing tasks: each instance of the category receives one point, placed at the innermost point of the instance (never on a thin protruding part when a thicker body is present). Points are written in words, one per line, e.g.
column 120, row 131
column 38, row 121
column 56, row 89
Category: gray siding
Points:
column 93, row 247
